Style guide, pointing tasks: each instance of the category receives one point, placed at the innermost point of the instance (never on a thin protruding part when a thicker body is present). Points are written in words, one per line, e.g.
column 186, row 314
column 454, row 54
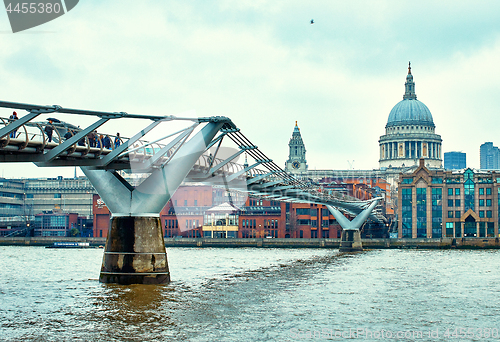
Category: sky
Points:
column 264, row 65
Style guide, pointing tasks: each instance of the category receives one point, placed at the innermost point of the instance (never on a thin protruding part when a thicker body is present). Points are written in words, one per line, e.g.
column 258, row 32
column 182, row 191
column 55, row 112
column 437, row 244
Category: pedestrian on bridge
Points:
column 92, row 137
column 106, row 142
column 13, row 117
column 118, row 141
column 49, row 129
column 68, row 134
column 100, row 141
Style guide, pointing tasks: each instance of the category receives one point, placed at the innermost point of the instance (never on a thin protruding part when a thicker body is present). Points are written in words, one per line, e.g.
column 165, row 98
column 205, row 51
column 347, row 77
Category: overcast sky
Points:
column 263, row 64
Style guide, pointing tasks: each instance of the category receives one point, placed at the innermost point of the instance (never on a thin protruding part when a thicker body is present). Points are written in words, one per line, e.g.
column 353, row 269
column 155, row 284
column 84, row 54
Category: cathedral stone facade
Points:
column 410, row 133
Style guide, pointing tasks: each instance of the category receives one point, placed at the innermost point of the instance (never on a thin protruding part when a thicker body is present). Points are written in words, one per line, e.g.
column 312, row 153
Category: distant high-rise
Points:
column 455, row 160
column 489, row 156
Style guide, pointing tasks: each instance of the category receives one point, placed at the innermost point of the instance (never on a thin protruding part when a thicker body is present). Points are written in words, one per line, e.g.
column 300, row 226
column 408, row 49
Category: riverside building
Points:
column 439, row 203
column 197, row 211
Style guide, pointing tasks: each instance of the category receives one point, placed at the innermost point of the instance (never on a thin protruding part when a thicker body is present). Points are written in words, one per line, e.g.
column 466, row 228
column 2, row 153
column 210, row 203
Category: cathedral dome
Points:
column 410, row 112
column 409, row 133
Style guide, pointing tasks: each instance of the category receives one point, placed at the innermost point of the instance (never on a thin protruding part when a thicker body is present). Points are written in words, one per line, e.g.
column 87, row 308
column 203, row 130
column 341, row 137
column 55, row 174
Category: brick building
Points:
column 191, row 209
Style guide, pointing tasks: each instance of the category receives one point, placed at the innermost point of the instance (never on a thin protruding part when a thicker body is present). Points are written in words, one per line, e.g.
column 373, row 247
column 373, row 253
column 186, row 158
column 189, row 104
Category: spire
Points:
column 409, row 86
column 296, row 129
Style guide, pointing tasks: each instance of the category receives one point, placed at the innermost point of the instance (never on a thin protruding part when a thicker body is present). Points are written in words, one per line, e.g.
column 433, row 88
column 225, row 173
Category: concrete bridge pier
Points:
column 351, row 236
column 135, row 252
column 350, row 241
column 135, row 248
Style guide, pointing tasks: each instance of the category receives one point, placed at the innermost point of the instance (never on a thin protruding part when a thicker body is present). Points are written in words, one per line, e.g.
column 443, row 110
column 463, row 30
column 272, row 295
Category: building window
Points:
column 437, row 180
column 457, row 203
column 450, row 191
column 468, row 191
column 57, row 195
column 481, row 202
column 437, row 213
column 458, row 229
column 195, row 203
column 450, row 214
column 407, row 180
column 488, row 203
column 303, row 211
column 481, row 191
column 457, row 191
column 488, row 191
column 489, row 214
column 449, row 229
column 421, row 212
column 482, row 229
column 491, row 229
column 481, row 213
column 185, row 203
column 457, row 214
column 314, row 223
column 406, row 212
column 450, row 203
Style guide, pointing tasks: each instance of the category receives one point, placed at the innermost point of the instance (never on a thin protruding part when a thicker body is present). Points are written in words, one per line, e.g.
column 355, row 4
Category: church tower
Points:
column 296, row 162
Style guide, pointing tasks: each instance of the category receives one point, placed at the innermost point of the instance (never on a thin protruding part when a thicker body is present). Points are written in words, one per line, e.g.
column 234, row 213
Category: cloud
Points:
column 262, row 64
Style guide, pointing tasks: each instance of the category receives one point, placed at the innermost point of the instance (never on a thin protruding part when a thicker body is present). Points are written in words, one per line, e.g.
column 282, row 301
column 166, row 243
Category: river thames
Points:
column 251, row 294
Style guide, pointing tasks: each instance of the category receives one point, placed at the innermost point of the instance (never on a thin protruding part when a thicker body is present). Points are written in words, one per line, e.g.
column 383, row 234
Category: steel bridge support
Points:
column 135, row 249
column 350, row 240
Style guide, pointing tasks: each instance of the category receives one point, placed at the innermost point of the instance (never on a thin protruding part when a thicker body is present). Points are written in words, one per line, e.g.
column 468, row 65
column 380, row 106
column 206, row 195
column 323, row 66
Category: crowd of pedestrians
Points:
column 94, row 139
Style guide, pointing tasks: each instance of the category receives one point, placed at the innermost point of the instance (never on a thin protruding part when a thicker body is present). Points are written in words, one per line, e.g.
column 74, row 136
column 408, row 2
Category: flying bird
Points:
column 312, row 21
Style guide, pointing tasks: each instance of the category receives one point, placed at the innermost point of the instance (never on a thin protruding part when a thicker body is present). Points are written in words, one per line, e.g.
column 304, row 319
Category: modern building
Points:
column 221, row 221
column 70, row 195
column 296, row 162
column 439, row 203
column 455, row 160
column 410, row 133
column 57, row 223
column 489, row 156
column 14, row 215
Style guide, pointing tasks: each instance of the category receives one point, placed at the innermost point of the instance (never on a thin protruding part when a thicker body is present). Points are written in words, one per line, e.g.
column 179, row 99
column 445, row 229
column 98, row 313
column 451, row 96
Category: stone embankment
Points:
column 444, row 243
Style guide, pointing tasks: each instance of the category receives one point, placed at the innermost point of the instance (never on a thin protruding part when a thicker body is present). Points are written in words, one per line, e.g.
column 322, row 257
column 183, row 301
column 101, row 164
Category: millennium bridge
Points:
column 183, row 150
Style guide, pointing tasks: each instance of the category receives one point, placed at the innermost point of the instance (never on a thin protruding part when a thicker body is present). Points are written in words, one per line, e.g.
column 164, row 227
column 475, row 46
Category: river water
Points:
column 254, row 294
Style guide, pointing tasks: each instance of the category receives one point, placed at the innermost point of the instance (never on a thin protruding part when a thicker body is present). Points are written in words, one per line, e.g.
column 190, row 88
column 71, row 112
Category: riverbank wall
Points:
column 443, row 243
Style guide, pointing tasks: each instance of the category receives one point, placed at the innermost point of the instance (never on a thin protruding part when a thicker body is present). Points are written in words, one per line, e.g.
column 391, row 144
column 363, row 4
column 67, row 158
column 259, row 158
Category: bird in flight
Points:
column 312, row 21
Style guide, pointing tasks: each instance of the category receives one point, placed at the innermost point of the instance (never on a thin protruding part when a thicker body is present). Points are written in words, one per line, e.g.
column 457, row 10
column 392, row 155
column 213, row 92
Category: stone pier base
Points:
column 350, row 241
column 135, row 252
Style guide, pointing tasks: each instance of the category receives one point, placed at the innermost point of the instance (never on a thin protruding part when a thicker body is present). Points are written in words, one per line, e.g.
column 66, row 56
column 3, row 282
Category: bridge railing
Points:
column 32, row 137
